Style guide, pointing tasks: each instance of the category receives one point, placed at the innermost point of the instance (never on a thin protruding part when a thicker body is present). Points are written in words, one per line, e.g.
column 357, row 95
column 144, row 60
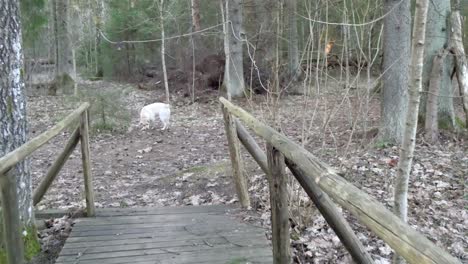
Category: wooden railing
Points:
column 78, row 119
column 322, row 184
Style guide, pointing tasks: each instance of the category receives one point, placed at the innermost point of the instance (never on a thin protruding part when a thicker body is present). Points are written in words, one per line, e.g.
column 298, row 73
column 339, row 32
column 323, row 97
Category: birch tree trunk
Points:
column 163, row 51
column 63, row 48
column 234, row 70
column 13, row 123
column 456, row 43
column 397, row 44
column 438, row 36
column 409, row 136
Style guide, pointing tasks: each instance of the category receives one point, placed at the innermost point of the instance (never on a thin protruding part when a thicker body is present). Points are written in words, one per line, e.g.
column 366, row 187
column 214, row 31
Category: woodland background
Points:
column 330, row 74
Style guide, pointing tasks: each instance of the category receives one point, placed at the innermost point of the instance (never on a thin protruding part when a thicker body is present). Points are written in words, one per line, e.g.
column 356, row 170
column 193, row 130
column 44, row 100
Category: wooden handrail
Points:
column 88, row 177
column 321, row 200
column 11, row 223
column 17, row 155
column 56, row 167
column 406, row 241
column 236, row 160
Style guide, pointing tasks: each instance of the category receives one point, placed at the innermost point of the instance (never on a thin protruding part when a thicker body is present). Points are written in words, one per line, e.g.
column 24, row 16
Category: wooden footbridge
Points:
column 210, row 234
column 196, row 234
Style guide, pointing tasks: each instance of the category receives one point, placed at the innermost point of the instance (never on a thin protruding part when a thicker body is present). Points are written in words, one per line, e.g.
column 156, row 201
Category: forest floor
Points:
column 189, row 165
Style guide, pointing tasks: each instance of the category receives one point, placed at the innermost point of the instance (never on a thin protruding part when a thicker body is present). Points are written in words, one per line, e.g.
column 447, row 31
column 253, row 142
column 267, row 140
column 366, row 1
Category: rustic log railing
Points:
column 79, row 119
column 323, row 184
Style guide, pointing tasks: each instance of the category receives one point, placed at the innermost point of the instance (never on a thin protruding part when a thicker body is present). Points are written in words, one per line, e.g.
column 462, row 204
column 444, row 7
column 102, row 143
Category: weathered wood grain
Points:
column 278, row 186
column 11, row 158
column 56, row 167
column 236, row 160
column 11, row 221
column 88, row 177
column 199, row 234
column 406, row 241
column 324, row 204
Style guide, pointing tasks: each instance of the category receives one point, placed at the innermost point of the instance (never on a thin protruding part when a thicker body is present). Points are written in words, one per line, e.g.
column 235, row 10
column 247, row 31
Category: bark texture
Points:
column 460, row 57
column 431, row 125
column 64, row 75
column 13, row 123
column 266, row 39
column 409, row 136
column 234, row 73
column 397, row 44
column 293, row 43
column 196, row 15
column 99, row 22
column 438, row 35
column 163, row 52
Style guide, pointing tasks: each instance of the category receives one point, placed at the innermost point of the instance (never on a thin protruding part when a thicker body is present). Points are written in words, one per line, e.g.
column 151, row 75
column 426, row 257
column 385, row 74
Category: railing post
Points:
column 88, row 177
column 56, row 167
column 321, row 200
column 11, row 221
column 277, row 182
column 236, row 161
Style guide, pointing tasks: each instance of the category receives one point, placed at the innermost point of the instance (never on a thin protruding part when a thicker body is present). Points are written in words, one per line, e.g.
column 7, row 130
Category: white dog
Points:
column 149, row 112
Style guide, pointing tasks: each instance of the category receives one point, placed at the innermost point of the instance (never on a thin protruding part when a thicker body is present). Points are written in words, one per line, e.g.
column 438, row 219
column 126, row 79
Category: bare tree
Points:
column 460, row 57
column 13, row 123
column 438, row 38
column 163, row 52
column 64, row 75
column 196, row 15
column 293, row 45
column 409, row 136
column 233, row 34
column 98, row 22
column 397, row 35
column 431, row 121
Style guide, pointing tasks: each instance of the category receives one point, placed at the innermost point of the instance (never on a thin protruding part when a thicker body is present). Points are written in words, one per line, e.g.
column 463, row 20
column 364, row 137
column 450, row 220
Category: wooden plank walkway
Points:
column 195, row 234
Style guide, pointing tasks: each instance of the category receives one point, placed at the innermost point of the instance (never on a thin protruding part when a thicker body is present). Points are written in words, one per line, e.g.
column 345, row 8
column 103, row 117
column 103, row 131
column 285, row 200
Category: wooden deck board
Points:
column 197, row 234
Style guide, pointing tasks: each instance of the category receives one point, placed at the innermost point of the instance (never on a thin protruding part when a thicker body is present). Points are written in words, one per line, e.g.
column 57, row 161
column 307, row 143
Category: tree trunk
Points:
column 13, row 123
column 456, row 46
column 99, row 17
column 196, row 15
column 234, row 71
column 397, row 44
column 293, row 45
column 437, row 38
column 163, row 52
column 414, row 90
column 199, row 50
column 431, row 123
column 63, row 48
column 264, row 11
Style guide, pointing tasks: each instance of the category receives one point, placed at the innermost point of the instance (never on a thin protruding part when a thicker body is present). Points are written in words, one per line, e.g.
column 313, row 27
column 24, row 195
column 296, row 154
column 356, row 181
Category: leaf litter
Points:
column 189, row 165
